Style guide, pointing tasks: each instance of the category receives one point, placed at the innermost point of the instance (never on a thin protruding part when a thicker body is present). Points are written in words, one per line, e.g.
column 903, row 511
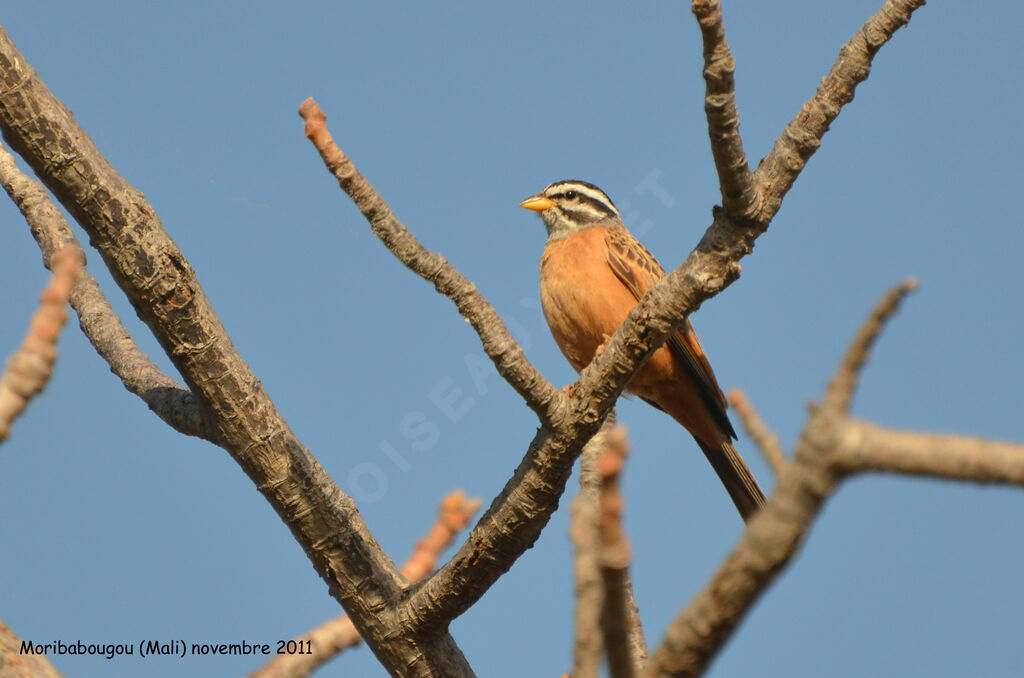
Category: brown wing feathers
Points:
column 624, row 250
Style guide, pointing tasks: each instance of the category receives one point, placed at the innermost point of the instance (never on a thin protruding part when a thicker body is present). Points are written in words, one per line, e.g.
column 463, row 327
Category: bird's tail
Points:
column 736, row 476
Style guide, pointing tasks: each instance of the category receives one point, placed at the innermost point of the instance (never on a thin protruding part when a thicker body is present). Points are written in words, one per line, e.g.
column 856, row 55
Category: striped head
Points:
column 570, row 206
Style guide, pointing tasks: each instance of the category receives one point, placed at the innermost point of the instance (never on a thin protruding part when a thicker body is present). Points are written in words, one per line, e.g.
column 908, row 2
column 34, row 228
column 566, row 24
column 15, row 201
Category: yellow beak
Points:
column 537, row 203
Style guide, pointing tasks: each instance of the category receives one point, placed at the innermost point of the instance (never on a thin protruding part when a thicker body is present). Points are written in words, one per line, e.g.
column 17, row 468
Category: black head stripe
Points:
column 589, row 197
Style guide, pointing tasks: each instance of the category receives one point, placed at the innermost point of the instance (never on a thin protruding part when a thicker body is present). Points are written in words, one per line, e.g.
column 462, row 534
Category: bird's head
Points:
column 570, row 206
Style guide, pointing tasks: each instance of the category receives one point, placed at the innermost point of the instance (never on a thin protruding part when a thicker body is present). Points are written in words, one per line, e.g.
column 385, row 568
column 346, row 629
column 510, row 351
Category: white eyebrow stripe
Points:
column 591, row 192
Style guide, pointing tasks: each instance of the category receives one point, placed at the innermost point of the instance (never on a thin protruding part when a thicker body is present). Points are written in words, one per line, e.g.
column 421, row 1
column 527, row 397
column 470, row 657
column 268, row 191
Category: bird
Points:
column 592, row 273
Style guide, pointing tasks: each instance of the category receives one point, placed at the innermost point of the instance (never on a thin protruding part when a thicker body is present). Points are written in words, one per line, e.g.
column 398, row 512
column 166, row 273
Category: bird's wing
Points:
column 639, row 270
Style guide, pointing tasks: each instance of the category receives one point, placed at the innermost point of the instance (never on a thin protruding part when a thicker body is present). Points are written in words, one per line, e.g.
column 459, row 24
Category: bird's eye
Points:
column 570, row 195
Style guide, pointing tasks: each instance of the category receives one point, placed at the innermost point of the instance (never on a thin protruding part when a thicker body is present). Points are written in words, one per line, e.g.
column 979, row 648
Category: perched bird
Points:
column 592, row 273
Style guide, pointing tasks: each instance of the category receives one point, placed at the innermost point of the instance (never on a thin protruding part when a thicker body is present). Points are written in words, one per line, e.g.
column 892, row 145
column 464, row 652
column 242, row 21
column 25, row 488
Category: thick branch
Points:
column 519, row 513
column 172, row 403
column 867, row 447
column 739, row 197
column 29, row 368
column 237, row 412
column 770, row 541
column 802, row 136
column 336, row 635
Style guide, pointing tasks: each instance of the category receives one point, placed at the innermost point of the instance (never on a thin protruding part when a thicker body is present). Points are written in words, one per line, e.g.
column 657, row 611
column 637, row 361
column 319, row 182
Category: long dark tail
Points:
column 736, row 476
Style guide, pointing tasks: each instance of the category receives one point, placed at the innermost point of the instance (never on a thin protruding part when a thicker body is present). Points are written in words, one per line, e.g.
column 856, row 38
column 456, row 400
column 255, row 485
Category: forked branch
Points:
column 831, row 447
column 333, row 637
column 105, row 331
column 237, row 412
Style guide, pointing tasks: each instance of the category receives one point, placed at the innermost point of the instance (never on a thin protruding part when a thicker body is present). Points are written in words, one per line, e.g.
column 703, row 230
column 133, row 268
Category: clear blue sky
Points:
column 117, row 529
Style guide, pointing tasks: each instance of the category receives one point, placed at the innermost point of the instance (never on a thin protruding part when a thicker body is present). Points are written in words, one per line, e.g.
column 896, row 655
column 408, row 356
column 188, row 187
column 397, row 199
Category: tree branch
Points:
column 739, row 196
column 765, row 438
column 839, row 395
column 867, row 447
column 802, row 136
column 606, row 612
column 172, row 403
column 336, row 635
column 29, row 368
column 586, row 542
column 517, row 515
column 620, row 618
column 831, row 447
column 237, row 412
column 497, row 341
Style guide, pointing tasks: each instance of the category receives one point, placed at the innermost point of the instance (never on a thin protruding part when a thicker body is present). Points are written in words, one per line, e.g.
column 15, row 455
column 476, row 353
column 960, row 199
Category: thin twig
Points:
column 839, row 395
column 336, row 635
column 29, row 368
column 759, row 431
column 168, row 399
column 497, row 341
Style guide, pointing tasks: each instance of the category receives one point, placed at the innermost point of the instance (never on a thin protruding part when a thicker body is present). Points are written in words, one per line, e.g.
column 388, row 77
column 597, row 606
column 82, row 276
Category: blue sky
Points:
column 117, row 529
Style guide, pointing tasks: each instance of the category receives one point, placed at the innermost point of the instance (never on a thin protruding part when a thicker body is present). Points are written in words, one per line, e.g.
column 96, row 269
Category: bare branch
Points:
column 172, row 403
column 497, row 341
column 758, row 430
column 517, row 515
column 867, row 447
column 237, row 412
column 831, row 447
column 802, row 136
column 29, row 368
column 453, row 515
column 714, row 264
column 739, row 197
column 839, row 395
column 842, row 447
column 515, row 518
column 336, row 635
column 770, row 541
column 606, row 612
column 620, row 619
column 586, row 542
